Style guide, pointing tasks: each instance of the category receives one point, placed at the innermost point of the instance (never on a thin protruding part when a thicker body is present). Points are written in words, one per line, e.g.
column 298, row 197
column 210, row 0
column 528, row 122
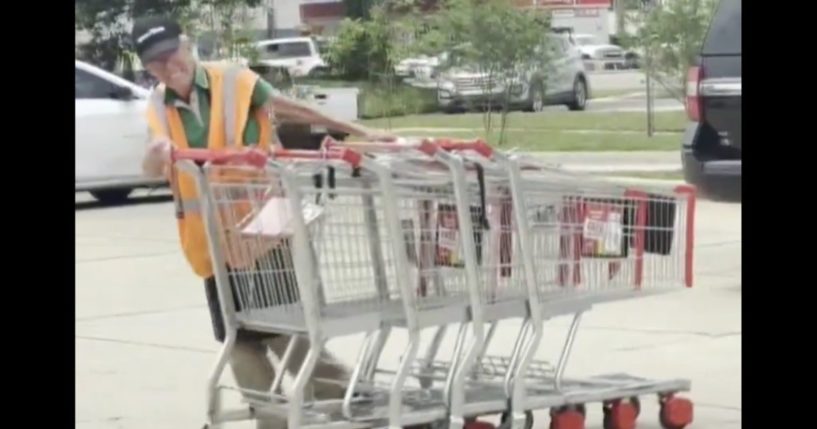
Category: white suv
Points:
column 111, row 134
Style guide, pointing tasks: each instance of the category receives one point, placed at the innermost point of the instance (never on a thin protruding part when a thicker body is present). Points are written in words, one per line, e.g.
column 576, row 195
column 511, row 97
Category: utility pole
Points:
column 649, row 93
column 648, row 5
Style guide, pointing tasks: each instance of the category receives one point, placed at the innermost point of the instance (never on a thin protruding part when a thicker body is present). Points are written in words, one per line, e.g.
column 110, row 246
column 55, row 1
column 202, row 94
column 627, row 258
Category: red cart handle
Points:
column 427, row 146
column 253, row 157
column 347, row 155
column 258, row 158
column 479, row 146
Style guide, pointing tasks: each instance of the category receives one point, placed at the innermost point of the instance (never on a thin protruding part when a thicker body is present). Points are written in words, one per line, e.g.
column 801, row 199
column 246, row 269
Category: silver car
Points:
column 564, row 82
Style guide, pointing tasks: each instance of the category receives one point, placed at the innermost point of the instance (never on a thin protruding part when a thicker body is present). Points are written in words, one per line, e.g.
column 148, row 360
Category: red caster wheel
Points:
column 676, row 413
column 567, row 417
column 476, row 424
column 621, row 414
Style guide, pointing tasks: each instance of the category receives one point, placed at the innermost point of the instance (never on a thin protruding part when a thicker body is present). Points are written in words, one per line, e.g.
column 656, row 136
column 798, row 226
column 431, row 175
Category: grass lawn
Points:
column 542, row 140
column 620, row 121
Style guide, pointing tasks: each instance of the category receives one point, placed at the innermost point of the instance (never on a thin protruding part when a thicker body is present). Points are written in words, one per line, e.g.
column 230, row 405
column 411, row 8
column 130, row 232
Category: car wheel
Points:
column 112, row 196
column 536, row 97
column 579, row 101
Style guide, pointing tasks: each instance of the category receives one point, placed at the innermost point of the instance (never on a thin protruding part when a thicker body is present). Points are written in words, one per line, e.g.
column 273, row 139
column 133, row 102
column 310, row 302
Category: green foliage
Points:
column 399, row 100
column 364, row 49
column 671, row 37
column 108, row 22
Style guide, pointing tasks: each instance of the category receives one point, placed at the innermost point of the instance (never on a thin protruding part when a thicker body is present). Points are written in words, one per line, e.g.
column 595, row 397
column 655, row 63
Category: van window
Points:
column 286, row 50
column 725, row 30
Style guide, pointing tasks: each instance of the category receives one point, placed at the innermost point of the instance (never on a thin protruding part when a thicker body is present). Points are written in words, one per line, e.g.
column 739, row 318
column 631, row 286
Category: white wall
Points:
column 584, row 21
column 287, row 14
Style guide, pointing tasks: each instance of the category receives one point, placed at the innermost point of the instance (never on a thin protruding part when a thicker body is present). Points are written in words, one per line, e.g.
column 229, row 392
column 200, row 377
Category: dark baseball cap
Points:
column 155, row 37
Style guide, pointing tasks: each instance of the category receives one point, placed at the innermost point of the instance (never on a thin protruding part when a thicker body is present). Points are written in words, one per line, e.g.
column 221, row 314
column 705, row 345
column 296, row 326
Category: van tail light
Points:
column 694, row 102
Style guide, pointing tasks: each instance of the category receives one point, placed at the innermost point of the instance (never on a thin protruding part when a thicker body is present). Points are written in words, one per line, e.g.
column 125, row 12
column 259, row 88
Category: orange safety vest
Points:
column 231, row 89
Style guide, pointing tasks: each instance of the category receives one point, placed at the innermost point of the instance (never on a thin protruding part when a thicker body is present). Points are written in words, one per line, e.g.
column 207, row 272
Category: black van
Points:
column 711, row 152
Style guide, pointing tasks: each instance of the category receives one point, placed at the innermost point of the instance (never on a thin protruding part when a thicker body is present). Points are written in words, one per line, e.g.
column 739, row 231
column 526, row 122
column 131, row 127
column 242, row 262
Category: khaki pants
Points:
column 252, row 369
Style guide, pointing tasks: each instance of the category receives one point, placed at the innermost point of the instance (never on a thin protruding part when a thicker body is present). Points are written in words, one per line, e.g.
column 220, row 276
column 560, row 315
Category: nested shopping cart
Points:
column 314, row 246
column 578, row 241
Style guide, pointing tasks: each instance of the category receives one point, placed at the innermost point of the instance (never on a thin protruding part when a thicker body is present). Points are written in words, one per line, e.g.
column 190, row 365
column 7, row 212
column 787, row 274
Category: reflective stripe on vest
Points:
column 229, row 90
column 191, row 206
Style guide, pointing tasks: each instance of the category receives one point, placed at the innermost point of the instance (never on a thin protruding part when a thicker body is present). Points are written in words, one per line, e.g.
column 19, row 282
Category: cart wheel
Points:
column 676, row 413
column 477, row 424
column 634, row 401
column 580, row 408
column 620, row 414
column 568, row 417
column 505, row 421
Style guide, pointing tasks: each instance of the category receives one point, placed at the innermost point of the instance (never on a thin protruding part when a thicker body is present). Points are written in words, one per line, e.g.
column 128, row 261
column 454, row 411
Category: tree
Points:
column 365, row 49
column 671, row 37
column 108, row 22
column 499, row 42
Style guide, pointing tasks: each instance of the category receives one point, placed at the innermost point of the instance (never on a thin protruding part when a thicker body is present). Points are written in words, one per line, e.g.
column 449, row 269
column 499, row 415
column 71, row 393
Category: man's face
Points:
column 174, row 69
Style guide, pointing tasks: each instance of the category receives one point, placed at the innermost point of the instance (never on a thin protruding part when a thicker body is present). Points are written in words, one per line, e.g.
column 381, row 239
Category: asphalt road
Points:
column 144, row 342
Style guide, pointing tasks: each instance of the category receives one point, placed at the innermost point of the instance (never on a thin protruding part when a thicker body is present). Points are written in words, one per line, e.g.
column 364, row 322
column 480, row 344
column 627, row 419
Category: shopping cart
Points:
column 586, row 241
column 591, row 241
column 340, row 266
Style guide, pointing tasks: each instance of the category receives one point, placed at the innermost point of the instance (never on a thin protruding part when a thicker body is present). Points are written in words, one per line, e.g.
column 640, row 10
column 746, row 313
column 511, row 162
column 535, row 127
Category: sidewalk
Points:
column 144, row 344
column 591, row 162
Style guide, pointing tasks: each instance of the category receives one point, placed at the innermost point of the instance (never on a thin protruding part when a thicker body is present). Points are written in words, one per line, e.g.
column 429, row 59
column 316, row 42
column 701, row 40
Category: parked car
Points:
column 111, row 134
column 711, row 150
column 606, row 55
column 418, row 67
column 300, row 55
column 565, row 82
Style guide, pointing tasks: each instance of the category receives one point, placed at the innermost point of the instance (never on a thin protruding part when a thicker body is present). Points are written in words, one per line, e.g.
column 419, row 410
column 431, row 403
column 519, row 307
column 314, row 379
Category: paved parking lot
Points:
column 144, row 343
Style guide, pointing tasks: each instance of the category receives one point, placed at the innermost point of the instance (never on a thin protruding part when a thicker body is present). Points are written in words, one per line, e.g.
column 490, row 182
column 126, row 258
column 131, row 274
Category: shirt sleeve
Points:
column 262, row 92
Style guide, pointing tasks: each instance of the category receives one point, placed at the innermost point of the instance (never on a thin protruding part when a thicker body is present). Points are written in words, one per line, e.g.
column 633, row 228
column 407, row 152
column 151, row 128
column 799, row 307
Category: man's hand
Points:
column 157, row 158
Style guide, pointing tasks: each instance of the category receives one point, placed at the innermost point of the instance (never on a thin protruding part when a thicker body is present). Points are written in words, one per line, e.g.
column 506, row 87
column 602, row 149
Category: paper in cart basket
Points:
column 603, row 230
column 274, row 220
column 449, row 251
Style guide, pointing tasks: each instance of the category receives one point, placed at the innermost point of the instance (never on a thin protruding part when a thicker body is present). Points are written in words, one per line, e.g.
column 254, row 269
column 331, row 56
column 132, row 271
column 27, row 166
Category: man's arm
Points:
column 294, row 111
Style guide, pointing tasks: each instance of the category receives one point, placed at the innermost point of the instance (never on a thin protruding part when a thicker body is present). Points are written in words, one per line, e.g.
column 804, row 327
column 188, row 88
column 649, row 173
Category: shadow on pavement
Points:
column 133, row 201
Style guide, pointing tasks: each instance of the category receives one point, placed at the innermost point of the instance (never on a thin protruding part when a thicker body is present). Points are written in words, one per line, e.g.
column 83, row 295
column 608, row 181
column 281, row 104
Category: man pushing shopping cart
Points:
column 218, row 107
